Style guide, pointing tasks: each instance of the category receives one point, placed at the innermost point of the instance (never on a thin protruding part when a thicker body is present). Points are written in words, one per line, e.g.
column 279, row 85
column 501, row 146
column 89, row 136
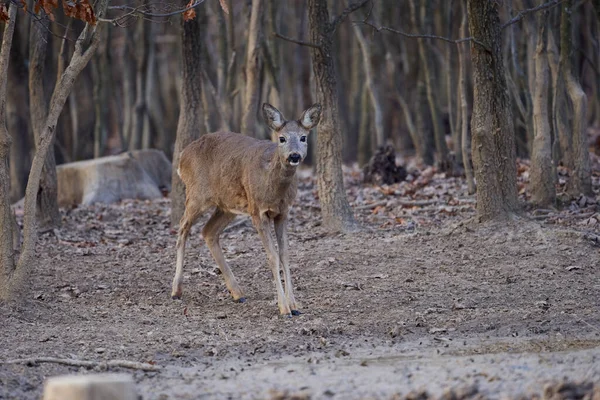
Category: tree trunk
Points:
column 141, row 50
column 425, row 53
column 335, row 208
column 17, row 117
column 273, row 56
column 542, row 174
column 559, row 120
column 580, row 180
column 47, row 198
column 364, row 135
column 423, row 122
column 493, row 146
column 7, row 257
column 191, row 114
column 253, row 71
column 373, row 86
column 100, row 75
column 150, row 87
column 13, row 278
column 128, row 88
column 464, row 109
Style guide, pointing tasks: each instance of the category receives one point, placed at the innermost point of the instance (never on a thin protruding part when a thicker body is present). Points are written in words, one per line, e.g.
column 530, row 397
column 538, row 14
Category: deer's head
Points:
column 291, row 136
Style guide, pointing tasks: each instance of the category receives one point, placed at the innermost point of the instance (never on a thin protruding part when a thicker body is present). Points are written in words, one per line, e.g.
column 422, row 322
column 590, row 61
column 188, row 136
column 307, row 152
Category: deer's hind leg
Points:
column 211, row 232
column 193, row 211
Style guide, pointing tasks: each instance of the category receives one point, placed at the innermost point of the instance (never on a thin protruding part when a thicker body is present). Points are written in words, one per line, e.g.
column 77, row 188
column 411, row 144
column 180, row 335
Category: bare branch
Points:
column 87, row 364
column 423, row 36
column 146, row 12
column 347, row 11
column 300, row 42
column 521, row 14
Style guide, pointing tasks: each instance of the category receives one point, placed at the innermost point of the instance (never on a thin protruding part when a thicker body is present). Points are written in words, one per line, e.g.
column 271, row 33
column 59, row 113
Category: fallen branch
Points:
column 88, row 364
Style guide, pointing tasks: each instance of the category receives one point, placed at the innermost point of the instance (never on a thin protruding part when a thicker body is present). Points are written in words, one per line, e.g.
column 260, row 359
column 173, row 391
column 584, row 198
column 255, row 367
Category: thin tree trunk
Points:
column 7, row 256
column 373, row 87
column 335, row 208
column 47, row 198
column 561, row 148
column 423, row 122
column 273, row 56
column 100, row 71
column 17, row 117
column 542, row 174
column 191, row 113
column 150, row 87
column 12, row 278
column 417, row 139
column 464, row 109
column 142, row 45
column 493, row 146
column 128, row 89
column 580, row 181
column 223, row 61
column 364, row 138
column 443, row 159
column 253, row 71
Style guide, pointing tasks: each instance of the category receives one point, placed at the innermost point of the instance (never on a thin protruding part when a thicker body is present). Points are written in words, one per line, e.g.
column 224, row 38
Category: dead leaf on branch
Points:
column 80, row 9
column 191, row 13
column 3, row 12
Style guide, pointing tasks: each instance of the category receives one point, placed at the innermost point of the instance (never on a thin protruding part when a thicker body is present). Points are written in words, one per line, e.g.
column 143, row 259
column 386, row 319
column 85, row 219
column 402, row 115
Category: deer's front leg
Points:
column 262, row 223
column 284, row 256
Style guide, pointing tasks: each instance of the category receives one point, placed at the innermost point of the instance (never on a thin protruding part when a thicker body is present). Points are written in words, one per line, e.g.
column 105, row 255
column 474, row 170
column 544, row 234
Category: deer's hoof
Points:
column 286, row 315
column 176, row 296
column 296, row 313
column 240, row 300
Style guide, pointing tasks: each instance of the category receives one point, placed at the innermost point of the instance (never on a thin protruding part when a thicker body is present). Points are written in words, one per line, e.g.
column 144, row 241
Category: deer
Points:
column 236, row 174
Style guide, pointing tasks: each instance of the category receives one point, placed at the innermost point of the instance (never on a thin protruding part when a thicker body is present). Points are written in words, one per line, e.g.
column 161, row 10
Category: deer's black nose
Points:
column 295, row 157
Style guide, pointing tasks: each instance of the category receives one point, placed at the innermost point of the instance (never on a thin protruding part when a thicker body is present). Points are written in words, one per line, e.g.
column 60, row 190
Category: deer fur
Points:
column 237, row 174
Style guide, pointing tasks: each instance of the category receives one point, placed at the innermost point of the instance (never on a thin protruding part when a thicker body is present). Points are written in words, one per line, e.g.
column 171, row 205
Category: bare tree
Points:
column 421, row 10
column 17, row 114
column 253, row 70
column 191, row 113
column 14, row 271
column 580, row 181
column 494, row 157
column 47, row 198
column 464, row 109
column 543, row 173
column 335, row 208
column 372, row 85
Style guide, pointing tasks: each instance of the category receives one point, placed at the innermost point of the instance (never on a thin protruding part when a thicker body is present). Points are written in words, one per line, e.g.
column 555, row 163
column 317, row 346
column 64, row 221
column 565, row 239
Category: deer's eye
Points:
column 303, row 138
column 281, row 139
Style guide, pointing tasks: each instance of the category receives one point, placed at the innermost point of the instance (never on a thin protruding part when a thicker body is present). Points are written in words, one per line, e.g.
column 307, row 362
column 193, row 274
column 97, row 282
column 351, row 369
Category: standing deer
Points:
column 237, row 174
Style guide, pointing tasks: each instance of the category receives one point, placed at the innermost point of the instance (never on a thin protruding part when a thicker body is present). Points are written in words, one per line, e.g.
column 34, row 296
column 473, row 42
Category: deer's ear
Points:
column 273, row 117
column 311, row 116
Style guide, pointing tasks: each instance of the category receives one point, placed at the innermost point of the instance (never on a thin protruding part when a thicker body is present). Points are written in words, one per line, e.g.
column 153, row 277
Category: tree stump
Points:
column 382, row 168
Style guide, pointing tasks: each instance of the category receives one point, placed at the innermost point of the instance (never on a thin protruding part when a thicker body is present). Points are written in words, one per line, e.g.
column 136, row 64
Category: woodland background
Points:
column 128, row 96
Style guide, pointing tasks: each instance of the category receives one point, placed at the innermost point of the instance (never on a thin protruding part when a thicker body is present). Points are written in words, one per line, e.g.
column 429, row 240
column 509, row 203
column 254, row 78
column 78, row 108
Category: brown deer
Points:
column 237, row 174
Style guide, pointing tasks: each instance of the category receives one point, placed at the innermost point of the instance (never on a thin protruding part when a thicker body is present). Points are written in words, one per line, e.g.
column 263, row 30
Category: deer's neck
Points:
column 281, row 175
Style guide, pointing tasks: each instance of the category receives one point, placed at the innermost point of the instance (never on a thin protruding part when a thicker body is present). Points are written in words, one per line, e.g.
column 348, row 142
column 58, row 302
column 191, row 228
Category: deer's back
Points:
column 221, row 169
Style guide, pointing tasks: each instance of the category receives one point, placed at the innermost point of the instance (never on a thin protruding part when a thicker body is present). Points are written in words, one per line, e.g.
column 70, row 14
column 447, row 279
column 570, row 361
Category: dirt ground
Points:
column 412, row 302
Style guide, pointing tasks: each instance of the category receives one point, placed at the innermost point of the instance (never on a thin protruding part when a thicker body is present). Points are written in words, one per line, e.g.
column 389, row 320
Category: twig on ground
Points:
column 84, row 363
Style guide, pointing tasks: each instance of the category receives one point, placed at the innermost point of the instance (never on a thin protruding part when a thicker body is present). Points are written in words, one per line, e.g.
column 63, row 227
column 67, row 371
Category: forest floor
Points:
column 415, row 301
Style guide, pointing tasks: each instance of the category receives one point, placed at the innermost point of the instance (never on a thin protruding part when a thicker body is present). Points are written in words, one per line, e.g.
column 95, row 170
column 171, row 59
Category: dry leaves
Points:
column 3, row 12
column 191, row 13
column 80, row 9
